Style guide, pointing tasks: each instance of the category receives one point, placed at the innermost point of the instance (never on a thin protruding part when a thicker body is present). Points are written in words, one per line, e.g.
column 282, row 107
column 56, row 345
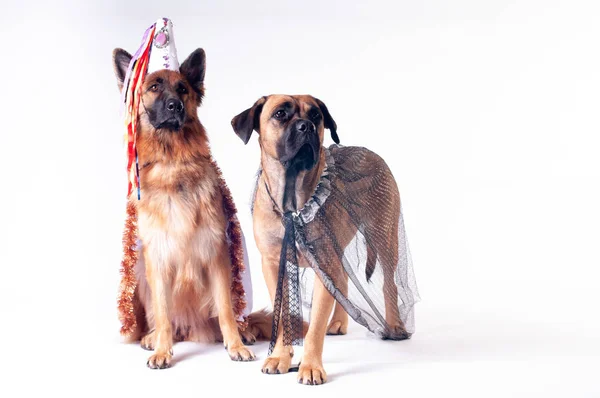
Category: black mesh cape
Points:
column 351, row 233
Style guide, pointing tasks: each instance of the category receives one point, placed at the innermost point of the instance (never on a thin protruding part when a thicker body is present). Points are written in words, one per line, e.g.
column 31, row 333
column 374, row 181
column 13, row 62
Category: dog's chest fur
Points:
column 181, row 225
column 180, row 216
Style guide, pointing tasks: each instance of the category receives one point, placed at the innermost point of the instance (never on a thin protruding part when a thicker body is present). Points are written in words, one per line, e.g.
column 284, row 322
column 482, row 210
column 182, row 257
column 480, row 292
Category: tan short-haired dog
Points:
column 291, row 132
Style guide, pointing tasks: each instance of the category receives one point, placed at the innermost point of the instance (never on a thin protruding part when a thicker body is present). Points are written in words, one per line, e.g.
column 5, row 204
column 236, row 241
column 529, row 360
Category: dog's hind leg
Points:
column 147, row 342
column 390, row 290
column 260, row 325
column 339, row 321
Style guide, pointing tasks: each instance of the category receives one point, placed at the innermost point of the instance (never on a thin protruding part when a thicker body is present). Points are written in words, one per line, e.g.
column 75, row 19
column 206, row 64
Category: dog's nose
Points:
column 174, row 105
column 305, row 126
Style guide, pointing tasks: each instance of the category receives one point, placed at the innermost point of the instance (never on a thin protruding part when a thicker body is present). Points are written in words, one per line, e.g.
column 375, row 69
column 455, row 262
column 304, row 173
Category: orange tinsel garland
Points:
column 236, row 250
column 127, row 295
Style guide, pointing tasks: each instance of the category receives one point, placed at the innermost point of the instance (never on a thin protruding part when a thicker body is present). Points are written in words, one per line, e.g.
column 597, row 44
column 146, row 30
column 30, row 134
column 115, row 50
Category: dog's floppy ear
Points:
column 194, row 68
column 121, row 60
column 329, row 122
column 249, row 120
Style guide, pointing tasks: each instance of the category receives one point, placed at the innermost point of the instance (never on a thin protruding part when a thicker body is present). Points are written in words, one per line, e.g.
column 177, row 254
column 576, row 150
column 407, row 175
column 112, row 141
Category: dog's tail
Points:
column 371, row 261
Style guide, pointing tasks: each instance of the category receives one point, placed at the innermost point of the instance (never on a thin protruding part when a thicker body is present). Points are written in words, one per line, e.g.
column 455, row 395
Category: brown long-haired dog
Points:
column 291, row 133
column 184, row 277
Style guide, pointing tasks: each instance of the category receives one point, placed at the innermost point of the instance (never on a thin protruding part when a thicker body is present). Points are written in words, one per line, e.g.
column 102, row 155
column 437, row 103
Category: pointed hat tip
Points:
column 163, row 54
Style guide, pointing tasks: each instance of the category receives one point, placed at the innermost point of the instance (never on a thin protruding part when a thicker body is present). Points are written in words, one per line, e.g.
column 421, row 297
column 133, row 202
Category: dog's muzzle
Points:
column 169, row 114
column 300, row 147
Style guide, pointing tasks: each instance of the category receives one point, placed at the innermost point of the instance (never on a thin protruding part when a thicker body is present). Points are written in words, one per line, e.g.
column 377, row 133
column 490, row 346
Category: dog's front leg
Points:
column 281, row 358
column 311, row 368
column 221, row 266
column 158, row 277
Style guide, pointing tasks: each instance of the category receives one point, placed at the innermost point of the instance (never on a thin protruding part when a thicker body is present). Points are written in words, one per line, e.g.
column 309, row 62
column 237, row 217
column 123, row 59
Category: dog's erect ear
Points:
column 329, row 122
column 249, row 120
column 121, row 60
column 194, row 68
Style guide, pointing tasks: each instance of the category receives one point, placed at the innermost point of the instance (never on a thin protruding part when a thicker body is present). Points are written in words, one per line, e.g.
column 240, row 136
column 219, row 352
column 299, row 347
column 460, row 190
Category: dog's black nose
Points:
column 305, row 126
column 174, row 105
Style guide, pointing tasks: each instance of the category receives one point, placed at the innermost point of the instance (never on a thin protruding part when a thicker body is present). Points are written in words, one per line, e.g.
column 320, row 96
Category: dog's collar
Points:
column 307, row 213
column 276, row 208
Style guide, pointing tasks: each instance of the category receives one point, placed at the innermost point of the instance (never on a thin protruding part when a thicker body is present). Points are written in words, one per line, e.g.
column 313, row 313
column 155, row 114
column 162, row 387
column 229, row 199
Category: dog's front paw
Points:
column 311, row 374
column 240, row 352
column 160, row 361
column 337, row 327
column 277, row 364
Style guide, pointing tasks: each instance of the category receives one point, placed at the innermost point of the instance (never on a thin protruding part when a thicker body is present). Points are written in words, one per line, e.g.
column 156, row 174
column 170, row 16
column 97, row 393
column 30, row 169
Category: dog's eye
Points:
column 182, row 90
column 154, row 87
column 315, row 116
column 279, row 115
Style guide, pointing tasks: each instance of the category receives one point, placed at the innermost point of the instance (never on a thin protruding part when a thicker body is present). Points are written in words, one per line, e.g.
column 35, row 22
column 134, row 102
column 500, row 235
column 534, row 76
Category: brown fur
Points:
column 268, row 233
column 187, row 275
column 182, row 226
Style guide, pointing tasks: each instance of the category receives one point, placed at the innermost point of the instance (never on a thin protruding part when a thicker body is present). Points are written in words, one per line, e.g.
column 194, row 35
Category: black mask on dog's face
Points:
column 167, row 94
column 299, row 146
column 291, row 128
column 169, row 98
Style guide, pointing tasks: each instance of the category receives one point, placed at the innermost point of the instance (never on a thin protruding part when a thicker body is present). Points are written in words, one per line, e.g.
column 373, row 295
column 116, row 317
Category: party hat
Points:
column 164, row 53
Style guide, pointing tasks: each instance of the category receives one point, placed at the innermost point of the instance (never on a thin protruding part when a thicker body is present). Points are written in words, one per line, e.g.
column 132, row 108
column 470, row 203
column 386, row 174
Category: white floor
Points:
column 475, row 355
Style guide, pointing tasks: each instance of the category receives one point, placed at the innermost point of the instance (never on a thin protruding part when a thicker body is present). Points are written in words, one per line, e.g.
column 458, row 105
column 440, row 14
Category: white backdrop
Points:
column 487, row 113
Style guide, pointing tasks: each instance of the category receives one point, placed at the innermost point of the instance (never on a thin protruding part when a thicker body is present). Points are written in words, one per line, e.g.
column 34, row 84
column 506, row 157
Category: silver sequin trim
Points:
column 308, row 212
